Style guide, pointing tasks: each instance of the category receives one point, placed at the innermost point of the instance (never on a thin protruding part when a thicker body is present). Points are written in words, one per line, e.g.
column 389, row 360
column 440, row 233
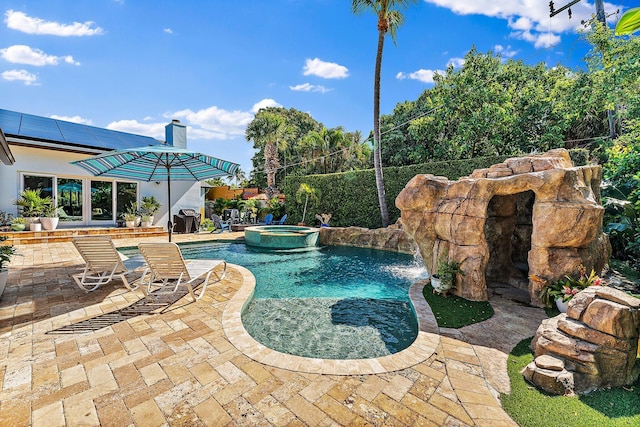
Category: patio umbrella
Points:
column 158, row 163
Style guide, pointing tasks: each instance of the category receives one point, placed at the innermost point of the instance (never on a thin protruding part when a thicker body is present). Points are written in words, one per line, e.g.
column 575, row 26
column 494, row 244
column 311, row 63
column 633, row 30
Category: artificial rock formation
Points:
column 593, row 346
column 535, row 215
column 389, row 239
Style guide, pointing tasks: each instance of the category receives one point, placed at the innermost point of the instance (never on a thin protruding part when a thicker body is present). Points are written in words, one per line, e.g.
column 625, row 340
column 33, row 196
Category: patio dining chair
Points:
column 168, row 269
column 103, row 262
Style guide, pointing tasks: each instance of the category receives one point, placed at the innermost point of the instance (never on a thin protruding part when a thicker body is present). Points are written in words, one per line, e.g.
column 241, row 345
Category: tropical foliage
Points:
column 303, row 147
column 494, row 107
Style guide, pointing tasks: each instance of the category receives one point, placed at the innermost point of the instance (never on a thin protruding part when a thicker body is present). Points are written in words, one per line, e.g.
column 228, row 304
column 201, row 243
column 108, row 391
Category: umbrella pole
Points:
column 169, row 223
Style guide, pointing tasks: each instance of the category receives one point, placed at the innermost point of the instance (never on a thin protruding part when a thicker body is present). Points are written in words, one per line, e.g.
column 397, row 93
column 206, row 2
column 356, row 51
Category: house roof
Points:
column 29, row 130
column 5, row 154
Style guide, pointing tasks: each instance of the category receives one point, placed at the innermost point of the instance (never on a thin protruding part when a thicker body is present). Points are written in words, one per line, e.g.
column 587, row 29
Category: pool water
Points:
column 333, row 302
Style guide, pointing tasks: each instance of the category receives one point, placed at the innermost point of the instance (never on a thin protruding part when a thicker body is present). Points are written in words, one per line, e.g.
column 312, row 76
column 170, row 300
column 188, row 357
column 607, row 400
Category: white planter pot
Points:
column 145, row 224
column 35, row 226
column 4, row 275
column 49, row 223
column 130, row 224
column 562, row 306
column 438, row 287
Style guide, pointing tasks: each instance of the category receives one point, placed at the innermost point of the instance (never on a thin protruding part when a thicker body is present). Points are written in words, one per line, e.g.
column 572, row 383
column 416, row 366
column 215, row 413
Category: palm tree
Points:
column 389, row 19
column 268, row 130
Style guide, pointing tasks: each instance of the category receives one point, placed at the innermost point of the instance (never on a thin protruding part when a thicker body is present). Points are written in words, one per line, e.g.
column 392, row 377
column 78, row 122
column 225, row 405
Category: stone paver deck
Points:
column 192, row 364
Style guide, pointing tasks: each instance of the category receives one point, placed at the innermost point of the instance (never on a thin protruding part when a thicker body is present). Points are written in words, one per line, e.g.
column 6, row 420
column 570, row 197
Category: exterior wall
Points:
column 38, row 161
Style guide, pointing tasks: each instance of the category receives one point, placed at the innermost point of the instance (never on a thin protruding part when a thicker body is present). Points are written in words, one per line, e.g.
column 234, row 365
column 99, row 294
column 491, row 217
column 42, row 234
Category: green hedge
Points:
column 351, row 197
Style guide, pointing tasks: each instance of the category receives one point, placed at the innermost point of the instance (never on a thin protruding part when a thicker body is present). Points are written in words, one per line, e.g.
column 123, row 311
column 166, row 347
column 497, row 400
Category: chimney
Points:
column 176, row 134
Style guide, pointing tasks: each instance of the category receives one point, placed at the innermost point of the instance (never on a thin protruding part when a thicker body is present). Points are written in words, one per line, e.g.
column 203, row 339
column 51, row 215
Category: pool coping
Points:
column 420, row 350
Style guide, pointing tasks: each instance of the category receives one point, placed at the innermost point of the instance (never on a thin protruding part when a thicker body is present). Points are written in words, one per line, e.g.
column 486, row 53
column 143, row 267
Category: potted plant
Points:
column 130, row 216
column 149, row 206
column 50, row 218
column 146, row 220
column 561, row 291
column 18, row 224
column 445, row 277
column 6, row 219
column 6, row 252
column 32, row 205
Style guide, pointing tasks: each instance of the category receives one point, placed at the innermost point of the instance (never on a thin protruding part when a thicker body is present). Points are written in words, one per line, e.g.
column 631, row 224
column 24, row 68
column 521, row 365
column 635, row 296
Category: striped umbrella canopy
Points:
column 158, row 163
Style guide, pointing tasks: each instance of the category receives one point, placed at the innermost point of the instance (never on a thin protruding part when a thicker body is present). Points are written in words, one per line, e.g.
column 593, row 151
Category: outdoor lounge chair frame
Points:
column 167, row 268
column 103, row 263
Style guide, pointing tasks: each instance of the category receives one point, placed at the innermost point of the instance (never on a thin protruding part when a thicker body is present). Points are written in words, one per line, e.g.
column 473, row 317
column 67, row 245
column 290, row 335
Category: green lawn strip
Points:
column 530, row 407
column 455, row 312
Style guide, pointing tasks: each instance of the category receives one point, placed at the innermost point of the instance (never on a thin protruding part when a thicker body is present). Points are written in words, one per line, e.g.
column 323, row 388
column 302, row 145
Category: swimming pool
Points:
column 332, row 303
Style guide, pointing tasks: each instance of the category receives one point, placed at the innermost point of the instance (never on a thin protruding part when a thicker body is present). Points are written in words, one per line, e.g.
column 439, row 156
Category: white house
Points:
column 37, row 151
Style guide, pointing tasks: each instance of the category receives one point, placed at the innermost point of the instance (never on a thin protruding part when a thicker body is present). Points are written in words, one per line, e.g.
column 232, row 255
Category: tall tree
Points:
column 389, row 19
column 268, row 131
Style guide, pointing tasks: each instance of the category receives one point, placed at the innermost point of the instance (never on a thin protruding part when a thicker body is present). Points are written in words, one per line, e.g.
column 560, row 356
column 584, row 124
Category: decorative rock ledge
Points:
column 390, row 239
column 536, row 215
column 593, row 346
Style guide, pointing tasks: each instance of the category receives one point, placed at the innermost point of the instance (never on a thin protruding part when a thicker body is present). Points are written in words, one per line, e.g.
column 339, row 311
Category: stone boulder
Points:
column 534, row 215
column 594, row 345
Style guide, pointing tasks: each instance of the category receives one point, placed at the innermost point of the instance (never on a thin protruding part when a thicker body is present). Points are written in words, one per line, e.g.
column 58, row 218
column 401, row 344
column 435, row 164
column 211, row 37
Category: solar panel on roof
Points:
column 69, row 133
column 10, row 121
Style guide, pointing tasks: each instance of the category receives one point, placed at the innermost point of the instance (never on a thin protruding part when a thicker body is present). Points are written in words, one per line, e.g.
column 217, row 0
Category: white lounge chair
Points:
column 103, row 262
column 168, row 268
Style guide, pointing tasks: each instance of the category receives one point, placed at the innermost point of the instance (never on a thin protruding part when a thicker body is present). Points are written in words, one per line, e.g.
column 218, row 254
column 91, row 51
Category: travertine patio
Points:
column 181, row 367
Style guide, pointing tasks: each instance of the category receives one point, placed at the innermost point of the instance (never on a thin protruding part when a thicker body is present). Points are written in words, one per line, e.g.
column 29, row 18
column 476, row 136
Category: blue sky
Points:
column 133, row 65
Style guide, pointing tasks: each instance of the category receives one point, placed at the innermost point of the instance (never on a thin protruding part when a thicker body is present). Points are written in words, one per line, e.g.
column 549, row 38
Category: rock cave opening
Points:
column 508, row 230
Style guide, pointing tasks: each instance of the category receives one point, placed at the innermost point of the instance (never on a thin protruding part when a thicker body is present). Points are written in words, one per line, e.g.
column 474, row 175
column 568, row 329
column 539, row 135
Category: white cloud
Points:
column 74, row 119
column 308, row 87
column 212, row 123
column 264, row 104
column 216, row 120
column 168, row 30
column 539, row 40
column 21, row 54
column 20, row 75
column 456, row 62
column 505, row 52
column 521, row 24
column 425, row 76
column 21, row 22
column 154, row 130
column 529, row 18
column 326, row 70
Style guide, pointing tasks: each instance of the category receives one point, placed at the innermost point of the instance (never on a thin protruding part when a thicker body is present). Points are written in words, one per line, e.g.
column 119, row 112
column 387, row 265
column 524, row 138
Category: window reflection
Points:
column 70, row 199
column 101, row 201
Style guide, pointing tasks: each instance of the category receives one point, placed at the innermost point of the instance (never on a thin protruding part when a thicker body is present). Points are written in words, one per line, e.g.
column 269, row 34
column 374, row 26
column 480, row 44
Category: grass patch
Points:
column 455, row 312
column 530, row 407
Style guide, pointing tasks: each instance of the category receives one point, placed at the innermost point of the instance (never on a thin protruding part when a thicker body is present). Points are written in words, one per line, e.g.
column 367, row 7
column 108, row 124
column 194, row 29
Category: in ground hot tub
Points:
column 281, row 236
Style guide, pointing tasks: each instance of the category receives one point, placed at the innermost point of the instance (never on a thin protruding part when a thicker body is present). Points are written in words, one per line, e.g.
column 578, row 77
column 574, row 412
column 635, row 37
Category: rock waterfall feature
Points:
column 533, row 215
